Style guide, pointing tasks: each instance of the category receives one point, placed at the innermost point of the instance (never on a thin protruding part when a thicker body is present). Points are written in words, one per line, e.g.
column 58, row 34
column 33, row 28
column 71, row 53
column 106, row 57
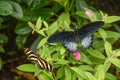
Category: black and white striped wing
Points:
column 86, row 33
column 42, row 64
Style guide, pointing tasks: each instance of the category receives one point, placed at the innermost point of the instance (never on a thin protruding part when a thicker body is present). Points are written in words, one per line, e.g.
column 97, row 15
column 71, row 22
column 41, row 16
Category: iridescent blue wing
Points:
column 86, row 32
column 62, row 37
column 67, row 38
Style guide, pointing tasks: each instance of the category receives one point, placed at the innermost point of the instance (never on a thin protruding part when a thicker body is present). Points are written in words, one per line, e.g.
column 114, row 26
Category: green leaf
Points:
column 2, row 49
column 117, row 54
column 115, row 61
column 64, row 20
column 111, row 34
column 86, row 68
column 82, row 14
column 107, row 66
column 49, row 74
column 62, row 62
column 45, row 24
column 53, row 28
column 20, row 40
column 18, row 13
column 60, row 72
column 85, row 59
column 22, row 28
column 38, row 23
column 100, row 73
column 5, row 8
column 102, row 33
column 79, row 72
column 108, row 48
column 42, row 42
column 90, row 76
column 37, row 4
column 111, row 19
column 96, row 53
column 110, row 76
column 68, row 73
column 3, row 39
column 43, row 76
column 0, row 63
column 27, row 67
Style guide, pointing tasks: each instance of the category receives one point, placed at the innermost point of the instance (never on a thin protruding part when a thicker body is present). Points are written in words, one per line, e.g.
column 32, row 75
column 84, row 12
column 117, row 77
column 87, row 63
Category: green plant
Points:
column 94, row 63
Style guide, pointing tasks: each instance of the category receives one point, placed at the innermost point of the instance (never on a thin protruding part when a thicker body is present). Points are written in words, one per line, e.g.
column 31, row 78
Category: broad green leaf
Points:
column 79, row 72
column 110, row 76
column 96, row 53
column 117, row 54
column 85, row 59
column 82, row 14
column 106, row 66
column 35, row 44
column 62, row 62
column 42, row 42
column 68, row 73
column 108, row 48
column 111, row 19
column 3, row 39
column 37, row 4
column 64, row 20
column 49, row 74
column 0, row 63
column 62, row 51
column 42, row 32
column 20, row 40
column 100, row 73
column 27, row 67
column 112, row 34
column 18, row 13
column 102, row 33
column 45, row 24
column 60, row 73
column 86, row 68
column 115, row 61
column 38, row 23
column 43, row 76
column 22, row 28
column 90, row 76
column 5, row 8
column 2, row 49
column 53, row 28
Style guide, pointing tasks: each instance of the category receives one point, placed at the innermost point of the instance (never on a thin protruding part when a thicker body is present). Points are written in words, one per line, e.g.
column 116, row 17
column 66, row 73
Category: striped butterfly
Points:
column 70, row 39
column 41, row 63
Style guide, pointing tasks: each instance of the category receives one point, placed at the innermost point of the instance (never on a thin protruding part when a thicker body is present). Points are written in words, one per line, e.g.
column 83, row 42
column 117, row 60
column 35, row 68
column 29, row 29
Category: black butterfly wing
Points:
column 67, row 38
column 86, row 32
column 62, row 37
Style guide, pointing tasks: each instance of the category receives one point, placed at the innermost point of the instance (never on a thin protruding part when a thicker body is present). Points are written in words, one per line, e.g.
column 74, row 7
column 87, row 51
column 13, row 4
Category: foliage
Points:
column 47, row 17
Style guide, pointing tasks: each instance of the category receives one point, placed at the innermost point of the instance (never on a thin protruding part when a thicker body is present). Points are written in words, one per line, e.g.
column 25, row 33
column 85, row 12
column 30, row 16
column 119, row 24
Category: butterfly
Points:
column 42, row 64
column 70, row 39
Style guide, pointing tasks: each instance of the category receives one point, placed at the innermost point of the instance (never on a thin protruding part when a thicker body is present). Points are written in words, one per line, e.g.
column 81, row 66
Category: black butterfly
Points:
column 71, row 39
column 42, row 64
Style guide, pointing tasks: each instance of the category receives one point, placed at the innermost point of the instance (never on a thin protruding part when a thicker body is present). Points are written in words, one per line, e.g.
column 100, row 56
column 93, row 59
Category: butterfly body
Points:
column 70, row 39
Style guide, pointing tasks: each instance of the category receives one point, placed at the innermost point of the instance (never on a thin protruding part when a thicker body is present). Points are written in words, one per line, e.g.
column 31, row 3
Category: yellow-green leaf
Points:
column 53, row 28
column 90, row 76
column 42, row 42
column 38, row 23
column 108, row 48
column 111, row 19
column 115, row 61
column 102, row 33
column 100, row 73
